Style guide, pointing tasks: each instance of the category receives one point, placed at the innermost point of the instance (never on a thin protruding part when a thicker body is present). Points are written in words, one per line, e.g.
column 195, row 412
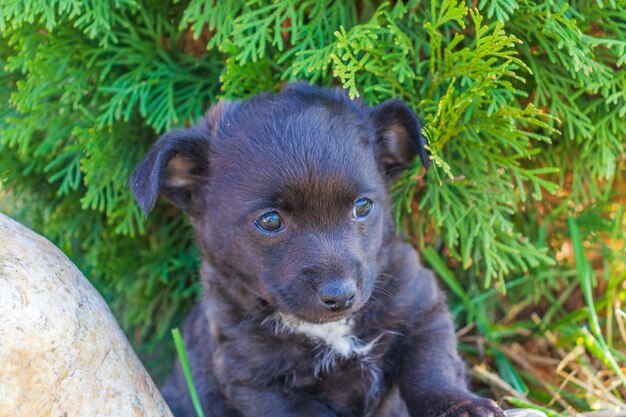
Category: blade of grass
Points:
column 527, row 404
column 184, row 362
column 584, row 274
column 507, row 372
column 506, row 369
column 439, row 265
column 586, row 283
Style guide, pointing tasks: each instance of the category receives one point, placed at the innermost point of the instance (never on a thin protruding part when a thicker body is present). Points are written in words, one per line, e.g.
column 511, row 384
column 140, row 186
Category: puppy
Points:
column 312, row 305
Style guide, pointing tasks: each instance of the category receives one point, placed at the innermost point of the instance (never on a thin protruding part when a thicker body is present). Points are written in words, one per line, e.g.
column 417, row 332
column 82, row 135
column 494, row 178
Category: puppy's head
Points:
column 288, row 193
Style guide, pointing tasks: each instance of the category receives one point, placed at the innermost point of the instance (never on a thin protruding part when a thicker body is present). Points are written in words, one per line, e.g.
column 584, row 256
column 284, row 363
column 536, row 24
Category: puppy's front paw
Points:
column 473, row 406
column 454, row 404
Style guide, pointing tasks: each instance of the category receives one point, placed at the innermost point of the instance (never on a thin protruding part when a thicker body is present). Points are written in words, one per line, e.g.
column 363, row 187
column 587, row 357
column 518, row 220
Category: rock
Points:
column 62, row 352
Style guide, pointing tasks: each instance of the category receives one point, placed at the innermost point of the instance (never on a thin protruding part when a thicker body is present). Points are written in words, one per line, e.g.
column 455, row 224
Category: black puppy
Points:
column 312, row 305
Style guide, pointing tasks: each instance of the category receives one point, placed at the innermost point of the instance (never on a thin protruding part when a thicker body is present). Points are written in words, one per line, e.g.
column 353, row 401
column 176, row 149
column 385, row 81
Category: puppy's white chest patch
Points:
column 336, row 335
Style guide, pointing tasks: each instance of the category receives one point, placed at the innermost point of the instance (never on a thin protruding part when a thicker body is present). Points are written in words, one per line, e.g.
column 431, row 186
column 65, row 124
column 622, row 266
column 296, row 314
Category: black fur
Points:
column 308, row 154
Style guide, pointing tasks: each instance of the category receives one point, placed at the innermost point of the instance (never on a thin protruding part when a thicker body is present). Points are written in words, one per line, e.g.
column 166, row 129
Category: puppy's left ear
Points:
column 399, row 137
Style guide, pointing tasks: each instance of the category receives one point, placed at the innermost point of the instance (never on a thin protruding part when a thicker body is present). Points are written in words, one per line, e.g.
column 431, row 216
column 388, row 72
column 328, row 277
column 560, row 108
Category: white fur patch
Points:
column 337, row 334
column 335, row 342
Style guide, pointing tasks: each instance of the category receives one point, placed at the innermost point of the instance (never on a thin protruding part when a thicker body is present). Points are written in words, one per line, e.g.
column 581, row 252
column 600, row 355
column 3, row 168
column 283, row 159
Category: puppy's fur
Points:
column 262, row 342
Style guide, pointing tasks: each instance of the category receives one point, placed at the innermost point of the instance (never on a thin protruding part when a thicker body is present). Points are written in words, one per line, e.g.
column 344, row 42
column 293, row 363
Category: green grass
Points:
column 552, row 339
column 181, row 351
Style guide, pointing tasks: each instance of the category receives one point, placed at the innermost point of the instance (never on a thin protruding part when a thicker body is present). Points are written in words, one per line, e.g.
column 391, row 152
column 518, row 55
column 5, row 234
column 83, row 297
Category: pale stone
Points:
column 62, row 352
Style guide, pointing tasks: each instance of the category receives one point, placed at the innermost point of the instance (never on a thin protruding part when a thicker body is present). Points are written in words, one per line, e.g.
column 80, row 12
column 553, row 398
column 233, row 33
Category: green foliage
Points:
column 523, row 104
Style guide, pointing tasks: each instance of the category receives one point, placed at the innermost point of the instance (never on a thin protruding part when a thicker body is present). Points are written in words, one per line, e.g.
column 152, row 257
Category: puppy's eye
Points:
column 269, row 222
column 362, row 208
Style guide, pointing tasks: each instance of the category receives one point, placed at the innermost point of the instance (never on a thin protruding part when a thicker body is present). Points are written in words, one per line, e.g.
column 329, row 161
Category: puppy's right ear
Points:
column 176, row 166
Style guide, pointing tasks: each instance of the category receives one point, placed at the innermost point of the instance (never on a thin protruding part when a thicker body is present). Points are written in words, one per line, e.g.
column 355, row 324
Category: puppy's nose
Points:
column 337, row 295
